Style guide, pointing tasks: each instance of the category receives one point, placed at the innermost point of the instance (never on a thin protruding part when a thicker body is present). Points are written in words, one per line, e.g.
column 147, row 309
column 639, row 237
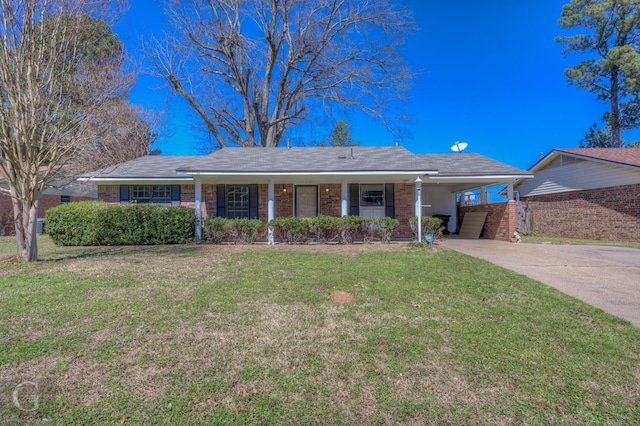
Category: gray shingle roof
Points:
column 320, row 159
column 149, row 166
column 294, row 160
column 469, row 165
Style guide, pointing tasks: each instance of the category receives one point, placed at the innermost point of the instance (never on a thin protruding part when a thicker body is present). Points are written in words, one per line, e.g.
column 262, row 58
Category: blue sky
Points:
column 492, row 77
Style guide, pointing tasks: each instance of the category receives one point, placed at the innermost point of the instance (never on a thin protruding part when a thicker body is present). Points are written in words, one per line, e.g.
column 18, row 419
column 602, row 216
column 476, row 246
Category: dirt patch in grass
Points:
column 10, row 259
column 342, row 297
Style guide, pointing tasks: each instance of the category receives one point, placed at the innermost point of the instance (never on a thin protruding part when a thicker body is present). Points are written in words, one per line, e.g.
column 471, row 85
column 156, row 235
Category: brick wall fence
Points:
column 501, row 219
column 330, row 203
column 6, row 210
column 610, row 214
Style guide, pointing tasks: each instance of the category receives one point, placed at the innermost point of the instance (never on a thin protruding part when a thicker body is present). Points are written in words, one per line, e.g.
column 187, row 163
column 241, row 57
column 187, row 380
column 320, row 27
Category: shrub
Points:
column 216, row 230
column 326, row 228
column 351, row 228
column 386, row 226
column 238, row 231
column 97, row 223
column 293, row 230
column 430, row 225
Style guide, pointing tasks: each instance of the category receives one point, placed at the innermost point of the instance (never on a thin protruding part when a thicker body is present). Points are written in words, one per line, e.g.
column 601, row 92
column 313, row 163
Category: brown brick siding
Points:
column 404, row 209
column 111, row 194
column 6, row 210
column 610, row 214
column 330, row 202
column 501, row 219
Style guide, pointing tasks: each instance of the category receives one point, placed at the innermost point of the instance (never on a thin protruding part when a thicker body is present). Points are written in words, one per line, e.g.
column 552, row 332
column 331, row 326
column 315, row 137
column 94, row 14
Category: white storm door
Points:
column 306, row 201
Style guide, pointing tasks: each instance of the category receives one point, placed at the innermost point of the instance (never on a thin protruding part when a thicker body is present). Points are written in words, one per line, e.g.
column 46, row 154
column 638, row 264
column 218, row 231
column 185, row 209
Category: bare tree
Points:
column 251, row 69
column 120, row 133
column 49, row 93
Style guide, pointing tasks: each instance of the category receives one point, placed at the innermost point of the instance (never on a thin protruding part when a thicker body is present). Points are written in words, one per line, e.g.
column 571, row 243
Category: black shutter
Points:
column 175, row 193
column 389, row 199
column 221, row 201
column 124, row 193
column 253, row 201
column 354, row 199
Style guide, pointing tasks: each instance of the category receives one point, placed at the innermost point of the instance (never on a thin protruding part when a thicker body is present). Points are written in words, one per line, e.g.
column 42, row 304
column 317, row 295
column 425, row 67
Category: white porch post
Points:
column 510, row 191
column 483, row 195
column 270, row 212
column 198, row 199
column 419, row 206
column 463, row 201
column 345, row 210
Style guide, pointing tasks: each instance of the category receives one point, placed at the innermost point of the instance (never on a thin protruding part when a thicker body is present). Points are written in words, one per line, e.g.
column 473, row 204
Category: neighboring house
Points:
column 591, row 193
column 53, row 196
column 265, row 183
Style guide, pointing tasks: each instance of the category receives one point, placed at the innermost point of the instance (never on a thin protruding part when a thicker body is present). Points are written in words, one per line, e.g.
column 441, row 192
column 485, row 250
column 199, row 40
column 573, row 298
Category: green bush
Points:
column 386, row 226
column 238, row 231
column 98, row 223
column 430, row 225
column 326, row 228
column 356, row 228
column 292, row 230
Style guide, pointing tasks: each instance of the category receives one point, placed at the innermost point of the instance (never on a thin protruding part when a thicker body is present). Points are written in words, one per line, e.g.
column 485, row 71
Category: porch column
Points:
column 463, row 201
column 345, row 205
column 419, row 206
column 270, row 212
column 198, row 198
column 510, row 191
column 483, row 195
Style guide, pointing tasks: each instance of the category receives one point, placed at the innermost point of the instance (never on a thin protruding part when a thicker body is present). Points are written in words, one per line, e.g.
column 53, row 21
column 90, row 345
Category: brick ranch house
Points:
column 265, row 183
column 53, row 196
column 591, row 193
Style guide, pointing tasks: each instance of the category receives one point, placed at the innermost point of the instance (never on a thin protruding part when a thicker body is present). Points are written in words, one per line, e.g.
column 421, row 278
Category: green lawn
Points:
column 250, row 335
column 540, row 239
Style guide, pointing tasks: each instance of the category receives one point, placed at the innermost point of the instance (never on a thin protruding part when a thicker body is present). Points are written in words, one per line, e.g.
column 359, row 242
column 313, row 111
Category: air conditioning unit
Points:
column 40, row 226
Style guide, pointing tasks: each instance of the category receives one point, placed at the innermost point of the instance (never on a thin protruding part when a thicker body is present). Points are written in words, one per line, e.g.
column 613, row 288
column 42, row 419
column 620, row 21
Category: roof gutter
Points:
column 328, row 173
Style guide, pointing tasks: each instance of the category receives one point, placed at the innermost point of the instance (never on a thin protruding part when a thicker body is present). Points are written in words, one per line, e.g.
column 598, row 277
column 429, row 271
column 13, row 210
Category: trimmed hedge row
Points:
column 97, row 223
column 295, row 230
column 346, row 229
column 238, row 231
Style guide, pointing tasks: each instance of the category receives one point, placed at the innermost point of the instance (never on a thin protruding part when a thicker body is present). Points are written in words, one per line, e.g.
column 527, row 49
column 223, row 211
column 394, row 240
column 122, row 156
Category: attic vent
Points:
column 344, row 157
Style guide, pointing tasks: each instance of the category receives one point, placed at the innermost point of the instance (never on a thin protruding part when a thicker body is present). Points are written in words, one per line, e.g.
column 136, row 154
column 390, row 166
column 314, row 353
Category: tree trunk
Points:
column 26, row 227
column 614, row 122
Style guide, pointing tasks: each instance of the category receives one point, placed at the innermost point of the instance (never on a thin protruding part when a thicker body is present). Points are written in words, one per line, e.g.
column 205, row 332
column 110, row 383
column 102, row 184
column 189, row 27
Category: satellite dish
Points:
column 459, row 146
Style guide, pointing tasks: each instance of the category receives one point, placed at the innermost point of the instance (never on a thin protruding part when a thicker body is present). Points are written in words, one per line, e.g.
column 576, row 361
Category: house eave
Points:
column 307, row 173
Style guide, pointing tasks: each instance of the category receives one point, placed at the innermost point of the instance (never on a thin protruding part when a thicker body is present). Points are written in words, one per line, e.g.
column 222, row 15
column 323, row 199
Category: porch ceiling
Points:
column 467, row 183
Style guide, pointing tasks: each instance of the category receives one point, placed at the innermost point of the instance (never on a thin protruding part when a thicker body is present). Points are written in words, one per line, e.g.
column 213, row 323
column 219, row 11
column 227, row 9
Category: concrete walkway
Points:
column 605, row 277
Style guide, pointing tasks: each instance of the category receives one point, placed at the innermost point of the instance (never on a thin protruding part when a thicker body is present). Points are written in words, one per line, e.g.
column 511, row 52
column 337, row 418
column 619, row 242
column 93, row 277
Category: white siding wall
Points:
column 442, row 201
column 577, row 176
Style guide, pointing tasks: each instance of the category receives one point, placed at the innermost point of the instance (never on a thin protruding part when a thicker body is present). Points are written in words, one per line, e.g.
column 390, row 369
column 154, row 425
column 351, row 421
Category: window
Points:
column 158, row 194
column 141, row 193
column 237, row 202
column 64, row 199
column 372, row 195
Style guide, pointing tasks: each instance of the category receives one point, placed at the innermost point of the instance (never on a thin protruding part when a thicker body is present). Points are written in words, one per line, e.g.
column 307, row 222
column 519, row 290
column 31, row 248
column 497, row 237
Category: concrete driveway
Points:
column 605, row 277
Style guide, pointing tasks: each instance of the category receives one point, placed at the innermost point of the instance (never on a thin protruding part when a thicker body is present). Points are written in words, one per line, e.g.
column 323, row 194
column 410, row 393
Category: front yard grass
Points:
column 250, row 335
column 540, row 239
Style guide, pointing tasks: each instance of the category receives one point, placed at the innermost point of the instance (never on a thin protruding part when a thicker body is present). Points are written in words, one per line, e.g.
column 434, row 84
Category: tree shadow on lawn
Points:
column 107, row 251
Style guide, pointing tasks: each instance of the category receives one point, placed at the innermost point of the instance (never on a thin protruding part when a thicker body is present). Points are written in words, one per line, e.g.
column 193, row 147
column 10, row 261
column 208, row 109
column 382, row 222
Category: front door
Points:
column 306, row 201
